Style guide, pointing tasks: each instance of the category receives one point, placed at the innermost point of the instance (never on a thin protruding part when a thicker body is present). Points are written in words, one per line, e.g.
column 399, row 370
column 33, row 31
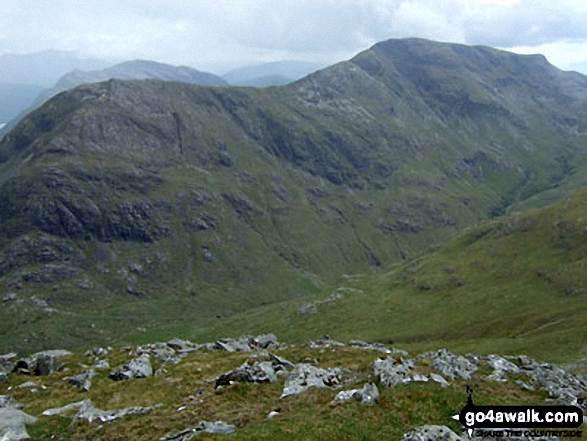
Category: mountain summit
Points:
column 133, row 202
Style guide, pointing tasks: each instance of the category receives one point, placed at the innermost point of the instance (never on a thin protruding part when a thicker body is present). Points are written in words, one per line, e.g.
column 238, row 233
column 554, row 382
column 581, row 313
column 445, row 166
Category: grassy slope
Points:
column 516, row 284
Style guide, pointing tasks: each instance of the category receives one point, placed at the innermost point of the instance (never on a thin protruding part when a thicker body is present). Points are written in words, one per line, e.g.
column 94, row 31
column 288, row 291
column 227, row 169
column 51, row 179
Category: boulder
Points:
column 136, row 368
column 453, row 366
column 87, row 411
column 368, row 395
column 304, row 376
column 13, row 422
column 501, row 367
column 216, row 428
column 262, row 367
column 392, row 371
column 41, row 363
column 82, row 381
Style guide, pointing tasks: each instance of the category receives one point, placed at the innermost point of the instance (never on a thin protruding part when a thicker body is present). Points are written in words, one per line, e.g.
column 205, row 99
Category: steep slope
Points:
column 141, row 203
column 513, row 285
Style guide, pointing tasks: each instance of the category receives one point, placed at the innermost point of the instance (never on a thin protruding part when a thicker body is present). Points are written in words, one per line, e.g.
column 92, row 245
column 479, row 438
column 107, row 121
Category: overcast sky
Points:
column 217, row 35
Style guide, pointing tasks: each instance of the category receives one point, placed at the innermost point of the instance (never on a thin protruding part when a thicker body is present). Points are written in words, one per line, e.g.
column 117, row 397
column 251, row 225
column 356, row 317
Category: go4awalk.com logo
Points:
column 526, row 421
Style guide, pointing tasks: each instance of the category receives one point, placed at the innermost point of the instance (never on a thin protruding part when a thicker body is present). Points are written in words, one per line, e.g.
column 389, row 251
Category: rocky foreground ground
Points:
column 246, row 387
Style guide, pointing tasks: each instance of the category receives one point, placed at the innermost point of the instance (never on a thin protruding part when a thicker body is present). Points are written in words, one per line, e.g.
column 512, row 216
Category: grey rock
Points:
column 41, row 363
column 7, row 363
column 82, row 381
column 13, row 424
column 47, row 364
column 180, row 345
column 368, row 395
column 234, row 345
column 101, row 364
column 9, row 297
column 7, row 401
column 258, row 372
column 99, row 352
column 561, row 386
column 266, row 341
column 501, row 367
column 377, row 347
column 282, row 361
column 325, row 342
column 451, row 365
column 439, row 379
column 136, row 368
column 305, row 376
column 87, row 411
column 262, row 367
column 431, row 433
column 392, row 372
column 216, row 428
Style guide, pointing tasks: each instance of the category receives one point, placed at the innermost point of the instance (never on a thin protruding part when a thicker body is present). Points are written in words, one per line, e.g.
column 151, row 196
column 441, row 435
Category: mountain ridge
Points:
column 167, row 199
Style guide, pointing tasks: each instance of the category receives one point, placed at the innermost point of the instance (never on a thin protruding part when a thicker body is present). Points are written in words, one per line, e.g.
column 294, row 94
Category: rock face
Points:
column 136, row 368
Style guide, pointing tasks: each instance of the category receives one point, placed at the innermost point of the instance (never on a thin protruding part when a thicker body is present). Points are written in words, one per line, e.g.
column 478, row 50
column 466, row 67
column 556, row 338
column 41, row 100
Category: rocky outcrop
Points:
column 136, row 368
column 259, row 368
column 368, row 395
column 304, row 376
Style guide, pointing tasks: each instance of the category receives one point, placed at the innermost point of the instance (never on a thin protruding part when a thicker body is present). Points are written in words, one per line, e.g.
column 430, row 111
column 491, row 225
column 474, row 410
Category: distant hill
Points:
column 16, row 97
column 24, row 76
column 43, row 68
column 137, row 69
column 270, row 74
column 152, row 205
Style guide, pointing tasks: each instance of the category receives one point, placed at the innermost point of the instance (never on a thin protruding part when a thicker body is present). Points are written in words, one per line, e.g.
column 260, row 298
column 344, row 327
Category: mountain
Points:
column 270, row 74
column 139, row 206
column 136, row 69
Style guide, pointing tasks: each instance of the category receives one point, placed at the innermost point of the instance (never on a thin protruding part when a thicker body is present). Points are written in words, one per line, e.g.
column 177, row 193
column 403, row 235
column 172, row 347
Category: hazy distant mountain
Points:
column 137, row 69
column 270, row 74
column 43, row 68
column 133, row 204
column 16, row 97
